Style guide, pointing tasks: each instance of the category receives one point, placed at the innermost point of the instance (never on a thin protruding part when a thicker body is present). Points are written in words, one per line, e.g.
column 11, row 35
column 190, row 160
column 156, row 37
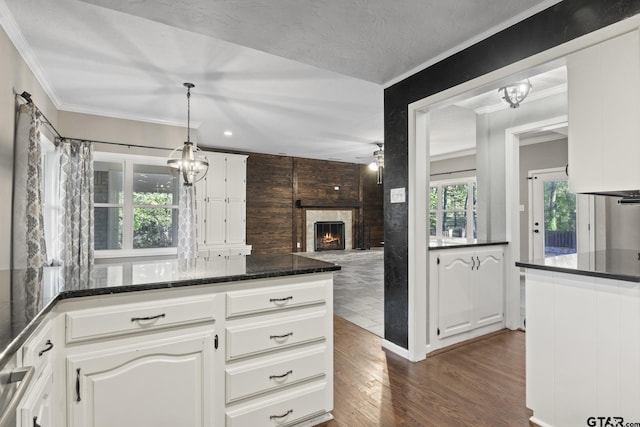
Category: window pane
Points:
column 154, row 185
column 433, row 198
column 475, row 196
column 154, row 227
column 432, row 224
column 107, row 182
column 454, row 224
column 107, row 228
column 454, row 197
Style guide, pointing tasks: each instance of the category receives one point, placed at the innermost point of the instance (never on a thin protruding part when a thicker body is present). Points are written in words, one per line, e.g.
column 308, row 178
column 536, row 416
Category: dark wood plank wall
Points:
column 275, row 183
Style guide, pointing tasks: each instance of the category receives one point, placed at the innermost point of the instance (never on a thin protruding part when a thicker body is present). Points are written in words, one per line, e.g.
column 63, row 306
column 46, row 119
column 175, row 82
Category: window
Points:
column 452, row 209
column 135, row 206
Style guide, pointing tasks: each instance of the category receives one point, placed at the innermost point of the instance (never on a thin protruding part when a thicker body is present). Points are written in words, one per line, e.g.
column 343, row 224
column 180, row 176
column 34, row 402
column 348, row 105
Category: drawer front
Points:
column 259, row 337
column 38, row 350
column 123, row 319
column 275, row 298
column 276, row 372
column 282, row 411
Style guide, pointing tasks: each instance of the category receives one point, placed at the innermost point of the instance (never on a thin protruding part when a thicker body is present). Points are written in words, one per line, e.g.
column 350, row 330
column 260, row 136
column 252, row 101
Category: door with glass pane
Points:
column 553, row 224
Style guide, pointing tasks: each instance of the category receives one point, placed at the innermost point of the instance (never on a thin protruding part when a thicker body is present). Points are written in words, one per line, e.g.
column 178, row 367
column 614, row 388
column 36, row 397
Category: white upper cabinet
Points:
column 604, row 116
column 221, row 205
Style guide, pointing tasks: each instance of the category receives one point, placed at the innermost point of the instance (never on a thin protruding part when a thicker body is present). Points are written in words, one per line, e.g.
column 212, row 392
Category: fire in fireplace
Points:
column 329, row 235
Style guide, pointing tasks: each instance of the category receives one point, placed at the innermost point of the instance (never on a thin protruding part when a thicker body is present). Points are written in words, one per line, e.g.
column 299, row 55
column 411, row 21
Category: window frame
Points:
column 128, row 161
column 439, row 211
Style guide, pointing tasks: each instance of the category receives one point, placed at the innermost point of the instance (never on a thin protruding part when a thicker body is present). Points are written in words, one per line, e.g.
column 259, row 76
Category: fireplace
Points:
column 329, row 235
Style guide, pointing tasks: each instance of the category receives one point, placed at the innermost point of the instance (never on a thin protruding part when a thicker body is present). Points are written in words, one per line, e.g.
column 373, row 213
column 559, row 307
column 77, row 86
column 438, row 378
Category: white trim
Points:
column 94, row 111
column 548, row 59
column 538, row 422
column 394, row 348
column 542, row 139
column 470, row 42
column 14, row 33
column 453, row 154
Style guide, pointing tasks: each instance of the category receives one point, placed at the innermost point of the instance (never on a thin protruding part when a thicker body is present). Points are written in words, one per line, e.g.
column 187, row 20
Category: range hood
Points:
column 626, row 197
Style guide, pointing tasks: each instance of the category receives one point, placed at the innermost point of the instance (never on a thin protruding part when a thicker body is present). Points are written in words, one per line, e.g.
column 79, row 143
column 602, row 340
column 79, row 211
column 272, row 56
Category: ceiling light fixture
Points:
column 192, row 163
column 378, row 161
column 514, row 94
column 228, row 133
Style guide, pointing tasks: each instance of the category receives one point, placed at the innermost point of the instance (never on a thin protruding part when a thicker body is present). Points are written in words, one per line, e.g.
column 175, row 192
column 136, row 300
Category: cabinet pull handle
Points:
column 157, row 316
column 35, row 422
column 24, row 376
column 275, row 417
column 49, row 346
column 276, row 377
column 478, row 267
column 78, row 385
column 278, row 337
column 474, row 263
column 280, row 299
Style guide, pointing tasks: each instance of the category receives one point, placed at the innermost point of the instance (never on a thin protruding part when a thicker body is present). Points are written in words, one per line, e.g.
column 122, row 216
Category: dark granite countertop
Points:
column 617, row 264
column 436, row 244
column 24, row 305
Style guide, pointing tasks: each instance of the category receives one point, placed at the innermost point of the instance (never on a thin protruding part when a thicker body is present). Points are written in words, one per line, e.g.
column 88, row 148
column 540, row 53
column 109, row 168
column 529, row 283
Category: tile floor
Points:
column 358, row 289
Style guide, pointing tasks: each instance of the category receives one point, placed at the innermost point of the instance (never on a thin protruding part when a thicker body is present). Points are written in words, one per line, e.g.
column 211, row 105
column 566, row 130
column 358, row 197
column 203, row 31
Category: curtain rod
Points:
column 452, row 172
column 26, row 96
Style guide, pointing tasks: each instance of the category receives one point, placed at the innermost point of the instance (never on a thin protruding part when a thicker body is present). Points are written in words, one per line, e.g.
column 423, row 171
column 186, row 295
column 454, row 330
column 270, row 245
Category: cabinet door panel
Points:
column 488, row 286
column 215, row 222
column 454, row 294
column 216, row 176
column 236, row 176
column 165, row 384
column 235, row 221
column 37, row 407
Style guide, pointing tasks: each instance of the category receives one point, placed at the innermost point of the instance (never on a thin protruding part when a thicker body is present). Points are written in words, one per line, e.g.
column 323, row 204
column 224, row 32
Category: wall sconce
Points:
column 378, row 161
column 514, row 94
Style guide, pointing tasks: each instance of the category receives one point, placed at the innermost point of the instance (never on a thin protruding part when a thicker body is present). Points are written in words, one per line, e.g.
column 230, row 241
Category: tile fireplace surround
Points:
column 314, row 215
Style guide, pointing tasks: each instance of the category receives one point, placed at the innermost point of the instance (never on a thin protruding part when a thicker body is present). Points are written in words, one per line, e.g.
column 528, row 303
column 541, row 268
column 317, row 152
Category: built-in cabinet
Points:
column 236, row 354
column 221, row 206
column 604, row 102
column 467, row 289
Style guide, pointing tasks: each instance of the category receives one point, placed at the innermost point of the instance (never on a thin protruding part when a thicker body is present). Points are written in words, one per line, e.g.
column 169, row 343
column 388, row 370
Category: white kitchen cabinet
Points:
column 221, row 205
column 467, row 291
column 166, row 383
column 36, row 408
column 603, row 110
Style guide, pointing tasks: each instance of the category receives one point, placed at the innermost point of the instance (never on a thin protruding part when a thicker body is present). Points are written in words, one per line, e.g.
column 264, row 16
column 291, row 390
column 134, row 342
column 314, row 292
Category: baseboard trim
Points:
column 395, row 348
column 534, row 422
column 469, row 341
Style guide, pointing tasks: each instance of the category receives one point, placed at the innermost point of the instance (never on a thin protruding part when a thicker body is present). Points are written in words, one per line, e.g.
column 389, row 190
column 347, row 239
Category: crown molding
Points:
column 8, row 22
column 73, row 108
column 453, row 154
column 462, row 46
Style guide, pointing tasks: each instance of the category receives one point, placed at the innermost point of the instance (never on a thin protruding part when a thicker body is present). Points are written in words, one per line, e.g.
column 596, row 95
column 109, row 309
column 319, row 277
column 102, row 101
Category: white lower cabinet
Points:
column 467, row 291
column 36, row 408
column 153, row 384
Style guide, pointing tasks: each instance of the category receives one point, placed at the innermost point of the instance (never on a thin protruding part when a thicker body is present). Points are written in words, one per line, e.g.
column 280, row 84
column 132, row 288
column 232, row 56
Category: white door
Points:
column 455, row 306
column 153, row 385
column 553, row 219
column 488, row 286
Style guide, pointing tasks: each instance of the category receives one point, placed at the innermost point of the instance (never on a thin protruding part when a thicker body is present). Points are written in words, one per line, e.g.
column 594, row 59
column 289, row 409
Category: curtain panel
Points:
column 187, row 244
column 75, row 222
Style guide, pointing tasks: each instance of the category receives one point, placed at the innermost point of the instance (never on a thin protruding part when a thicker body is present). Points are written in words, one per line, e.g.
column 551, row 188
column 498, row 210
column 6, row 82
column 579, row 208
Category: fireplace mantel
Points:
column 328, row 204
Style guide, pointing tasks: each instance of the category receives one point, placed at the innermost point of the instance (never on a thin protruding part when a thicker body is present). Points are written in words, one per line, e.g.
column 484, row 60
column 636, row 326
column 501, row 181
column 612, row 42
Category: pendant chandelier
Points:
column 378, row 161
column 191, row 162
column 514, row 94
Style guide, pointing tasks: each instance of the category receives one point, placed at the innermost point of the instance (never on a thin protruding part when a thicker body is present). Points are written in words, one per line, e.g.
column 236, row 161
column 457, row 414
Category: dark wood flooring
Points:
column 478, row 384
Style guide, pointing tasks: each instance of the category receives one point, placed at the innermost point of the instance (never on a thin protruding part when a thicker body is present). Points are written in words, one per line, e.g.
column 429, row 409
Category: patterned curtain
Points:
column 187, row 244
column 75, row 225
column 29, row 253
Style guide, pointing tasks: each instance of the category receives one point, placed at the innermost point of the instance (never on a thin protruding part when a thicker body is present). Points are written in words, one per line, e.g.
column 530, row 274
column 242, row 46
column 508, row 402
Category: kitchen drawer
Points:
column 258, row 337
column 37, row 351
column 123, row 319
column 283, row 410
column 272, row 373
column 275, row 298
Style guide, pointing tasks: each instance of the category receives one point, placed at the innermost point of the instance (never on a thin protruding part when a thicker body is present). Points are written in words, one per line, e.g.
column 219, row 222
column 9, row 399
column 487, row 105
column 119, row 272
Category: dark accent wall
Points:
column 277, row 184
column 554, row 26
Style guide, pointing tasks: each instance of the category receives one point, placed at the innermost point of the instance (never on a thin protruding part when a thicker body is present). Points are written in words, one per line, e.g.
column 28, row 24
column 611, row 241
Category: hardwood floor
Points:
column 479, row 384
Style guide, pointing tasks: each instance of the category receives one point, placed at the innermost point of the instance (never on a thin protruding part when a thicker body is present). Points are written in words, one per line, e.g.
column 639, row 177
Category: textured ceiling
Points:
column 295, row 77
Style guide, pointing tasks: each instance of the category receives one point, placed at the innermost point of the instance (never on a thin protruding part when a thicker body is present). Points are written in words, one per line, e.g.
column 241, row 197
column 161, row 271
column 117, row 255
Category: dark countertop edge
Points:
column 17, row 342
column 603, row 275
column 465, row 245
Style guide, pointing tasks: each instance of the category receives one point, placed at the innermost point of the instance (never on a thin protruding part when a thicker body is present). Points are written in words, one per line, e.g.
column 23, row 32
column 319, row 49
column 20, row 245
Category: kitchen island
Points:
column 583, row 338
column 240, row 340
